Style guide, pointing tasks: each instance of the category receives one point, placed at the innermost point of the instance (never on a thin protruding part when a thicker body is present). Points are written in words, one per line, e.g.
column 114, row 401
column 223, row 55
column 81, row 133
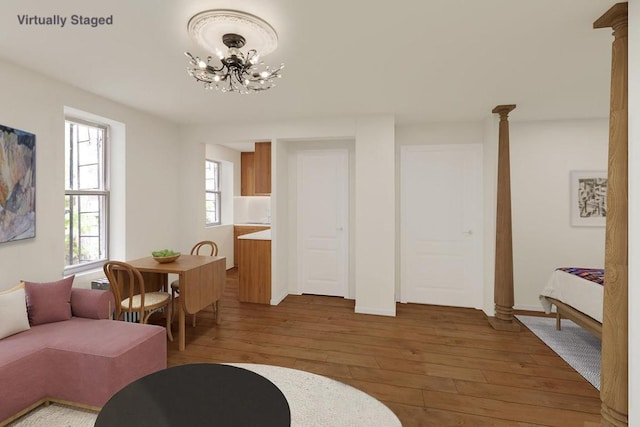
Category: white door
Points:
column 441, row 224
column 323, row 202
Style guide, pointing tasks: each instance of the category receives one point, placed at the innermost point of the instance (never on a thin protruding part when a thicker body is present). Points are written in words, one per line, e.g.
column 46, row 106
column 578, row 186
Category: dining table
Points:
column 202, row 280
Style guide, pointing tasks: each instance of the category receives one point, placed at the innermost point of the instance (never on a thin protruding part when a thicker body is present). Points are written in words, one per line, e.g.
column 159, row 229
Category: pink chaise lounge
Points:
column 82, row 361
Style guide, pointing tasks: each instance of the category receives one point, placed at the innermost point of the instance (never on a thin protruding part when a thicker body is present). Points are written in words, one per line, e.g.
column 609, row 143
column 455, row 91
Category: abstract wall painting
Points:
column 588, row 198
column 17, row 184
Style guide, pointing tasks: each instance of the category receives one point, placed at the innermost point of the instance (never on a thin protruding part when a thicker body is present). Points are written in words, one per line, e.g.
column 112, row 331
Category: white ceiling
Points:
column 421, row 60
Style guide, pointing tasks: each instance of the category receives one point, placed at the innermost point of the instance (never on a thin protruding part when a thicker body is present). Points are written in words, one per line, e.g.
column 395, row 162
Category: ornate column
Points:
column 614, row 377
column 503, row 285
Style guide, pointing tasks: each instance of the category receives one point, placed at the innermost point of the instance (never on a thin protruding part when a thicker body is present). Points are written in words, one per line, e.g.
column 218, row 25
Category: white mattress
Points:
column 581, row 294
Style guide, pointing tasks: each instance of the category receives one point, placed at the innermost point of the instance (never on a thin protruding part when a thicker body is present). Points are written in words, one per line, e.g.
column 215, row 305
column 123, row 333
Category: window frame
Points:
column 105, row 192
column 217, row 193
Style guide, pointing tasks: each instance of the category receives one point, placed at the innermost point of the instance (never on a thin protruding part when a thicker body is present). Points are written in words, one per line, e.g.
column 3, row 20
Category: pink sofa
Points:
column 84, row 360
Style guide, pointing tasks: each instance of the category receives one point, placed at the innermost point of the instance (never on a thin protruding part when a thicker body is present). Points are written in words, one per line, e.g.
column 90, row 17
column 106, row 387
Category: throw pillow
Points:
column 49, row 302
column 13, row 312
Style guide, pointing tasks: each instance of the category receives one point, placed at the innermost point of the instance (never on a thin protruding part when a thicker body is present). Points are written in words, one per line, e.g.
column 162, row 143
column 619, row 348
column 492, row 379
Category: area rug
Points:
column 313, row 400
column 319, row 401
column 56, row 415
column 575, row 345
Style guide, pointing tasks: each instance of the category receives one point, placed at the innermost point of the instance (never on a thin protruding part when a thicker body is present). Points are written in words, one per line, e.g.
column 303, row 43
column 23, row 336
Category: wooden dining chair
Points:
column 127, row 285
column 204, row 247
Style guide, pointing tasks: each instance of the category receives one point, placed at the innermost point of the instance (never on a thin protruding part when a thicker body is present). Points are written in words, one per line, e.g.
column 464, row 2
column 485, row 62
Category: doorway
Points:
column 441, row 225
column 323, row 219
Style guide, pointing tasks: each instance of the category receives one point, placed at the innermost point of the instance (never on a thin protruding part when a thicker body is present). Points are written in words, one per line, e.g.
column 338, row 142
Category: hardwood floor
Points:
column 432, row 365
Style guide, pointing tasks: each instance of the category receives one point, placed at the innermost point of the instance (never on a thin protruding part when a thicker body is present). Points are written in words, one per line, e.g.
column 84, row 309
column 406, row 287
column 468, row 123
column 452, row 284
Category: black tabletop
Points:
column 201, row 394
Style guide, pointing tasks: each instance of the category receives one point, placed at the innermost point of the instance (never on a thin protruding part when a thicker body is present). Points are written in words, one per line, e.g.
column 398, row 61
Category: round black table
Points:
column 200, row 394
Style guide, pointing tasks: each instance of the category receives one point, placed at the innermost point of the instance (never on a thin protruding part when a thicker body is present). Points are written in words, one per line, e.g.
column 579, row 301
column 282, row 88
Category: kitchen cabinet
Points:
column 254, row 271
column 262, row 168
column 239, row 230
column 255, row 171
column 247, row 174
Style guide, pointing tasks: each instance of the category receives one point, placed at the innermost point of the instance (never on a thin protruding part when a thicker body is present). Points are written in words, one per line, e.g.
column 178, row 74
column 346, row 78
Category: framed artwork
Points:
column 588, row 198
column 17, row 184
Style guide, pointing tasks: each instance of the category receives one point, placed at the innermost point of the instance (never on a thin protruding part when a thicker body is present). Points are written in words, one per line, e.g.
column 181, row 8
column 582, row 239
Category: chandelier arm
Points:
column 212, row 69
column 237, row 72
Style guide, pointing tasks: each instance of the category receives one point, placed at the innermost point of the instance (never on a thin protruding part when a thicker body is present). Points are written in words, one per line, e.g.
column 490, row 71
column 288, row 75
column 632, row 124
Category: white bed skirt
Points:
column 581, row 294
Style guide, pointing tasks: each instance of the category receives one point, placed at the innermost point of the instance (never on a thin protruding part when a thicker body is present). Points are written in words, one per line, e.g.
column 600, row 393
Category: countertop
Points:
column 252, row 224
column 259, row 235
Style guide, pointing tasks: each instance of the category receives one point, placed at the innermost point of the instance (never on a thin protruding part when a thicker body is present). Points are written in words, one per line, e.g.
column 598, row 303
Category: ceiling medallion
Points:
column 224, row 33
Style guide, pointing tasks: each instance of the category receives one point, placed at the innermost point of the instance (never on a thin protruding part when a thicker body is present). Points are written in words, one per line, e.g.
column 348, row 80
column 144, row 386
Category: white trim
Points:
column 344, row 274
column 278, row 300
column 475, row 225
column 377, row 311
column 529, row 307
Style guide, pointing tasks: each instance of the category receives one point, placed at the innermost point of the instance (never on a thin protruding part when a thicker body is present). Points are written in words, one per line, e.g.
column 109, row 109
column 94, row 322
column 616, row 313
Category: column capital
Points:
column 504, row 110
column 616, row 17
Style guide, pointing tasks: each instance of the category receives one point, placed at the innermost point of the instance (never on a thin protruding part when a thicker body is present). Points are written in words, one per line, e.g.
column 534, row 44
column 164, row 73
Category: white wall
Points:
column 375, row 234
column 252, row 209
column 151, row 212
column 542, row 155
column 191, row 162
column 490, row 191
column 280, row 219
column 375, row 148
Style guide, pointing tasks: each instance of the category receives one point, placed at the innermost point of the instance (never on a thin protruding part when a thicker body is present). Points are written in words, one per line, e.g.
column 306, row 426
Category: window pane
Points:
column 212, row 211
column 212, row 192
column 86, row 215
column 84, row 159
column 211, row 176
column 88, row 177
column 85, row 229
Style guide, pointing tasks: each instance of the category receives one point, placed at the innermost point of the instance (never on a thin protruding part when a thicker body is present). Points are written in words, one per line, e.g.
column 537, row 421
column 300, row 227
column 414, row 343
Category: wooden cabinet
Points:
column 247, row 174
column 254, row 271
column 255, row 171
column 262, row 168
column 239, row 230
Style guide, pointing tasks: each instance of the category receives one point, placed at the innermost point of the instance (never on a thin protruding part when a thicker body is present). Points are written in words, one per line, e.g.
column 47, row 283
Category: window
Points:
column 212, row 193
column 86, row 195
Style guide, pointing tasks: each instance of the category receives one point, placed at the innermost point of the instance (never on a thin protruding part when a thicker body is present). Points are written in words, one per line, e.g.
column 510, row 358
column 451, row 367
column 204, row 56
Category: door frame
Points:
column 344, row 152
column 478, row 249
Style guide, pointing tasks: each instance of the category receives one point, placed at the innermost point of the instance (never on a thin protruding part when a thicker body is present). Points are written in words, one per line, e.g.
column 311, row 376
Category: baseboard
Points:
column 377, row 311
column 277, row 300
column 528, row 307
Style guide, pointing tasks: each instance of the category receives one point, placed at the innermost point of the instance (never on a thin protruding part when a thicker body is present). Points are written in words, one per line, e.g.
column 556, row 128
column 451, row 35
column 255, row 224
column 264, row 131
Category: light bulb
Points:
column 216, row 78
column 264, row 74
column 202, row 64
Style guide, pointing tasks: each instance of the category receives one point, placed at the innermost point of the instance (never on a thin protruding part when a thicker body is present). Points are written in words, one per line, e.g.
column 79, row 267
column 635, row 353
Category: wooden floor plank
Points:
column 438, row 370
column 577, row 387
column 517, row 394
column 429, row 417
column 431, row 365
column 509, row 411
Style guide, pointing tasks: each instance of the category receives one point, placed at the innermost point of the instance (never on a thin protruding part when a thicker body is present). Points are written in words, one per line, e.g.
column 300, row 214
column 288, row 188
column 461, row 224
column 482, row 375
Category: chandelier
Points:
column 231, row 70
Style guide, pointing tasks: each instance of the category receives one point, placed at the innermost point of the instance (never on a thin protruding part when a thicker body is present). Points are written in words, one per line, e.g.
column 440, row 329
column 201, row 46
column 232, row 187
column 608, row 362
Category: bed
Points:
column 577, row 294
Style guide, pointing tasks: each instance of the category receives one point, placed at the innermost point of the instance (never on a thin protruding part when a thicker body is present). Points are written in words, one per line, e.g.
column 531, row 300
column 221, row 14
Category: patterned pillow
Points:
column 13, row 311
column 49, row 302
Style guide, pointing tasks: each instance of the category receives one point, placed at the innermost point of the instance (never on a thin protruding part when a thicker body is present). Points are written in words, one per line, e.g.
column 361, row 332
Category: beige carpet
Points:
column 314, row 400
column 56, row 415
